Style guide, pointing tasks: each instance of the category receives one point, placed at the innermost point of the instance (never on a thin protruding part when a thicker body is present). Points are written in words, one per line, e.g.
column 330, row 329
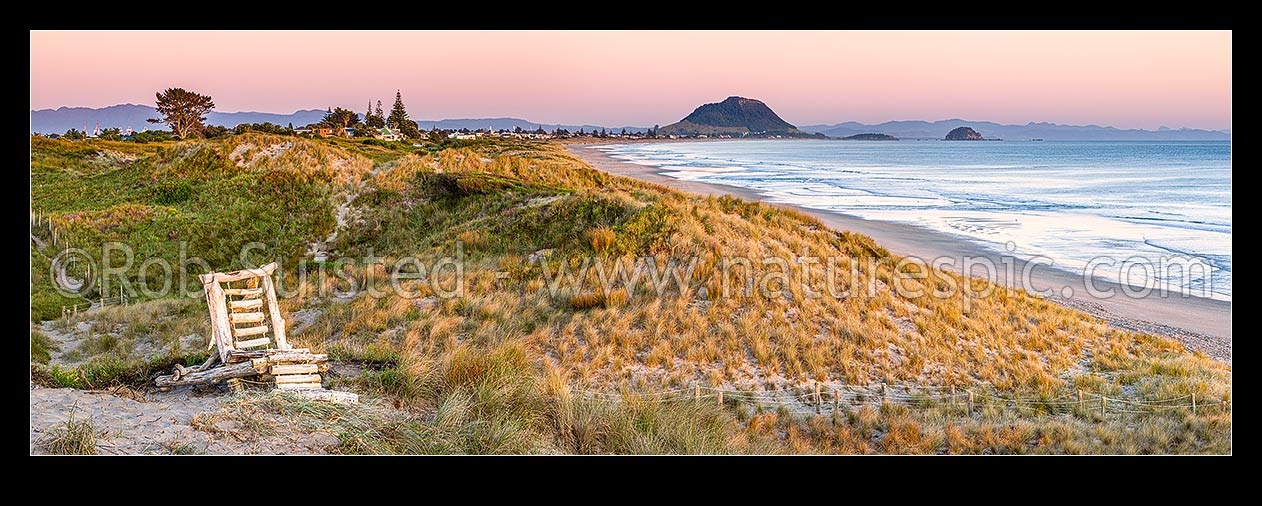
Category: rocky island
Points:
column 964, row 134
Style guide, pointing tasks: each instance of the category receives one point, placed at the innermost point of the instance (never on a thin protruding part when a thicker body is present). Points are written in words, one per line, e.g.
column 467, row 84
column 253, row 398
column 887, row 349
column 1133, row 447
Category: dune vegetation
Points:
column 529, row 347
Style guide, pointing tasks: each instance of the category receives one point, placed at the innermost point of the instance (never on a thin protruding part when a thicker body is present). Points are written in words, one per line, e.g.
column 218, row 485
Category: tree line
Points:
column 185, row 112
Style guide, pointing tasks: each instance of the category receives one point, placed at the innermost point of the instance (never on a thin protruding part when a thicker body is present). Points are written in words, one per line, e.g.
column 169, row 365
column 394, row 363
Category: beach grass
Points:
column 522, row 363
column 74, row 436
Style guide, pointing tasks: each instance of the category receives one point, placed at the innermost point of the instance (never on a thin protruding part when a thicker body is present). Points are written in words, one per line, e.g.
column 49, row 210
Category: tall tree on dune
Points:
column 184, row 111
column 375, row 119
column 399, row 120
column 398, row 113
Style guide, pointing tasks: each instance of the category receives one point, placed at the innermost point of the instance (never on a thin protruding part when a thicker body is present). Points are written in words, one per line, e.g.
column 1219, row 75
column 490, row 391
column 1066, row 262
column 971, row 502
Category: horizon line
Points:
column 1159, row 128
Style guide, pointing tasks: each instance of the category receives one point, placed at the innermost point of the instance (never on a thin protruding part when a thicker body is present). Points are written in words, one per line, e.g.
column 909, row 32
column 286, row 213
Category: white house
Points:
column 385, row 133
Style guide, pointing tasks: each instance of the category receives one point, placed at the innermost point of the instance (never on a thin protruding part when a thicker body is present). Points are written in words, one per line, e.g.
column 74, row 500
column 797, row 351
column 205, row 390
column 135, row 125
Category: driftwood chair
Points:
column 243, row 310
column 248, row 333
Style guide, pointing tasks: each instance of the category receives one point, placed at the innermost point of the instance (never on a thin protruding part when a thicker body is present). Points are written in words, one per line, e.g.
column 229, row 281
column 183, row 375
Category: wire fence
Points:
column 832, row 400
column 74, row 309
column 44, row 232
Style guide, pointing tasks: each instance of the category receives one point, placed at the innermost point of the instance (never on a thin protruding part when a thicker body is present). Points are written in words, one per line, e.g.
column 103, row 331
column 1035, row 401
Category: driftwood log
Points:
column 209, row 376
column 246, row 364
column 294, row 355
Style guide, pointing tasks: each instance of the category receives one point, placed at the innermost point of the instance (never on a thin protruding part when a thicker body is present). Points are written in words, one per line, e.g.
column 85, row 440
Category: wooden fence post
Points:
column 720, row 398
column 817, row 399
column 836, row 401
column 970, row 402
column 1104, row 403
column 952, row 395
column 1193, row 403
column 696, row 393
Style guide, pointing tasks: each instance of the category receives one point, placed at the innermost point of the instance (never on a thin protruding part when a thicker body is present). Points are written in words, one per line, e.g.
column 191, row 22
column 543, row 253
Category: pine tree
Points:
column 399, row 120
column 185, row 111
column 398, row 113
column 374, row 119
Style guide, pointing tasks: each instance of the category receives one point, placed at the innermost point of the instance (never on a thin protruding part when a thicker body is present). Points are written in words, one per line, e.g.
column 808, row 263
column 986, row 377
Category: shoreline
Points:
column 1201, row 324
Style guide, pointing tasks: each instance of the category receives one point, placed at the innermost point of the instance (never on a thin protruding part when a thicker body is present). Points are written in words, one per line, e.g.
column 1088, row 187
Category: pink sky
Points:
column 1127, row 79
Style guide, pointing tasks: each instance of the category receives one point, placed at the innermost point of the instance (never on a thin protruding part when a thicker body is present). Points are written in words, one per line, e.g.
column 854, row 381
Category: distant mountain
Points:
column 511, row 123
column 298, row 118
column 724, row 119
column 964, row 134
column 121, row 116
column 134, row 116
column 737, row 116
column 990, row 130
column 869, row 137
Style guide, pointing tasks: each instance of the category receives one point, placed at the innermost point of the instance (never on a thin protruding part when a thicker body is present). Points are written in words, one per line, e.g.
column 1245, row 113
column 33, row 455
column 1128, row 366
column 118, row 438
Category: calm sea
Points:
column 1145, row 206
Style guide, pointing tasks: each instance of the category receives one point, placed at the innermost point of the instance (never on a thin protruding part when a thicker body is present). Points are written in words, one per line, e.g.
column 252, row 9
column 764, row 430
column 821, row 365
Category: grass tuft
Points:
column 601, row 238
column 71, row 437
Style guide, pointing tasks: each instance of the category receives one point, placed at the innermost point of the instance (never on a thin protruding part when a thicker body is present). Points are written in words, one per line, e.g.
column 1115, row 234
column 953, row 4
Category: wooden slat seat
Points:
column 245, row 304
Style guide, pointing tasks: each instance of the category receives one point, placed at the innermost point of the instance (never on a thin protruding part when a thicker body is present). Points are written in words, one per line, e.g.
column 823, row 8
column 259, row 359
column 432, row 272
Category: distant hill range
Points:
column 512, row 123
column 133, row 116
column 735, row 116
column 989, row 130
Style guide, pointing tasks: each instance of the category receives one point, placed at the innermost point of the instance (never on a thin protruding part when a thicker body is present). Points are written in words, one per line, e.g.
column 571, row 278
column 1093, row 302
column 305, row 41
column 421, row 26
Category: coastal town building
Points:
column 386, row 134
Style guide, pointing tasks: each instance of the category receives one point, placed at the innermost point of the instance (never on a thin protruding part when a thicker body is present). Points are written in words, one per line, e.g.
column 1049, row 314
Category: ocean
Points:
column 1149, row 213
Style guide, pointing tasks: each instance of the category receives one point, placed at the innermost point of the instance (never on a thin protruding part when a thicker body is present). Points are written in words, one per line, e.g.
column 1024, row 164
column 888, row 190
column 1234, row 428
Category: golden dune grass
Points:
column 1007, row 341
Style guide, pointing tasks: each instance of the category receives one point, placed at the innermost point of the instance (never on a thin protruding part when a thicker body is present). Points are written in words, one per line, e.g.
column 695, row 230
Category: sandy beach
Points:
column 1199, row 323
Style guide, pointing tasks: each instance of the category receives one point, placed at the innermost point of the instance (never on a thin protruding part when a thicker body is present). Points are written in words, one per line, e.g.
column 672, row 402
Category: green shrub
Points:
column 41, row 347
column 172, row 191
column 151, row 136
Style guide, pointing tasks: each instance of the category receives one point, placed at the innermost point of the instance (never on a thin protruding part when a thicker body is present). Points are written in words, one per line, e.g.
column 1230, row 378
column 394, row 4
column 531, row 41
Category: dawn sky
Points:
column 1127, row 79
